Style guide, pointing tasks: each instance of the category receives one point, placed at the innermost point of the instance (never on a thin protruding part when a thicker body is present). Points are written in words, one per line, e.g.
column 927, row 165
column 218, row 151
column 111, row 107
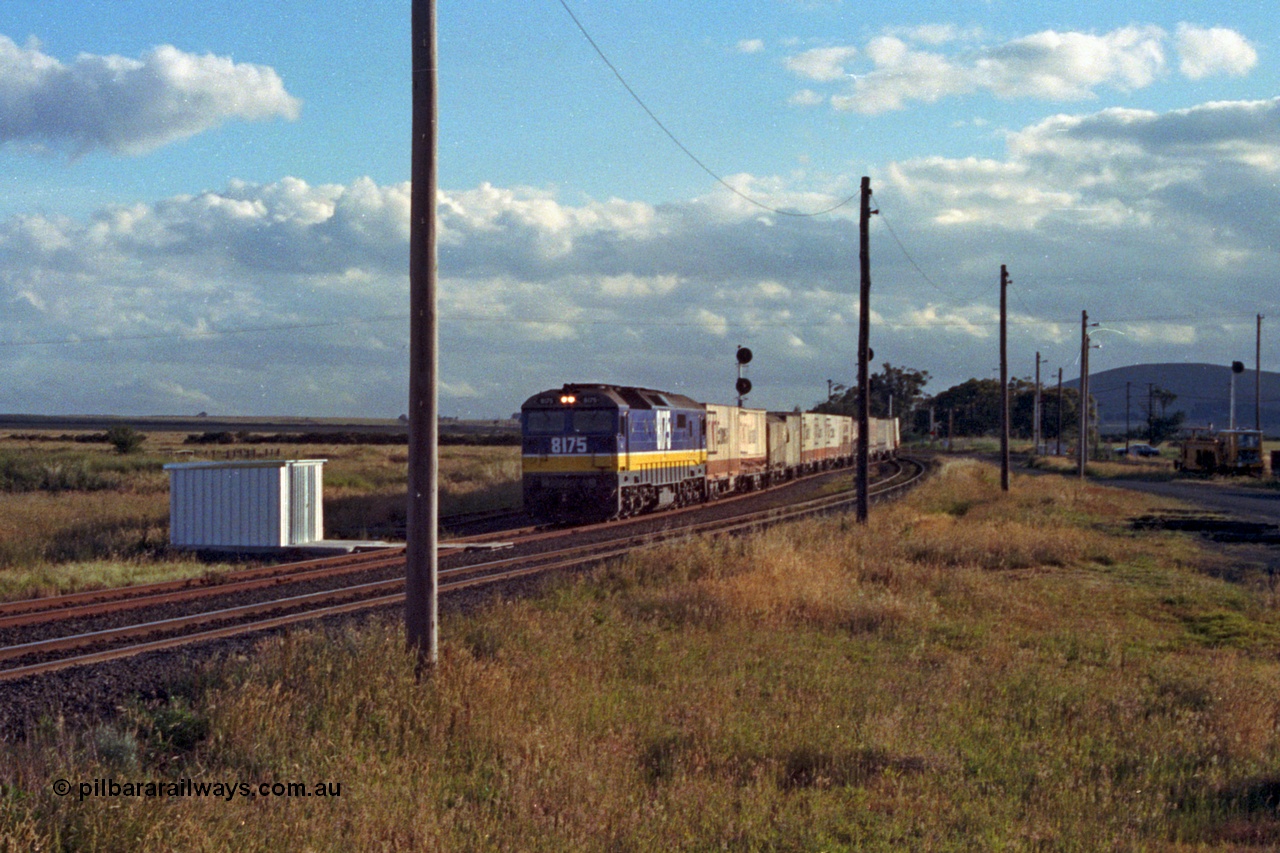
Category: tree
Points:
column 976, row 407
column 903, row 384
column 125, row 439
column 1163, row 426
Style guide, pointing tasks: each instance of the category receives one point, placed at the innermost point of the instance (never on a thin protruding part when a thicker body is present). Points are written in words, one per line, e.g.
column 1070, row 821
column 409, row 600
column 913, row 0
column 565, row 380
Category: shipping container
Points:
column 784, row 445
column 246, row 504
column 737, row 446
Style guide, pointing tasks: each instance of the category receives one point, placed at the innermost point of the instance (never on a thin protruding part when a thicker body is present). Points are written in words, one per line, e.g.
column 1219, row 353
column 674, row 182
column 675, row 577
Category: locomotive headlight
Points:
column 568, row 400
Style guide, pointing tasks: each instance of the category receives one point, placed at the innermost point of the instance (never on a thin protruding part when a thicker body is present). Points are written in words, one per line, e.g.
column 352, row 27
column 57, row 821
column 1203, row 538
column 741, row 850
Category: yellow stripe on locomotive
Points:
column 598, row 462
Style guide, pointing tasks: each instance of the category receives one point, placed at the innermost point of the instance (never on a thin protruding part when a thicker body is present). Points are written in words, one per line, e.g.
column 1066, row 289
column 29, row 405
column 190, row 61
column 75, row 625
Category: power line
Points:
column 701, row 165
column 907, row 255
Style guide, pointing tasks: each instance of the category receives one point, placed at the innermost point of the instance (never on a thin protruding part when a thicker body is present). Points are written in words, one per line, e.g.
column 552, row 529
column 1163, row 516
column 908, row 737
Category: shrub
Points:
column 125, row 439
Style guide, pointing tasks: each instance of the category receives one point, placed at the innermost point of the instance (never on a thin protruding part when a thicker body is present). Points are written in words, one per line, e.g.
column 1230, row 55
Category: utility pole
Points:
column 951, row 428
column 1083, row 448
column 1058, row 451
column 421, row 582
column 1151, row 413
column 1236, row 367
column 1257, row 379
column 864, row 351
column 1126, row 418
column 1004, row 378
column 1035, row 413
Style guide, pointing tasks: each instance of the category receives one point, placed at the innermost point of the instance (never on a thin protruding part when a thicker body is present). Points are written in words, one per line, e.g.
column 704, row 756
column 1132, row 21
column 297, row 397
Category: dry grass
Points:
column 75, row 516
column 970, row 671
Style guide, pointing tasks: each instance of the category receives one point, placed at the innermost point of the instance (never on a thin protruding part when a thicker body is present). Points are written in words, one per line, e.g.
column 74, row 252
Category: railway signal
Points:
column 744, row 384
column 1237, row 367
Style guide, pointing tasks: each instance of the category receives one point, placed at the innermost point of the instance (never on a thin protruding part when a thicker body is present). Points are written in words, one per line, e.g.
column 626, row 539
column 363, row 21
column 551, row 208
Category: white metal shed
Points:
column 246, row 504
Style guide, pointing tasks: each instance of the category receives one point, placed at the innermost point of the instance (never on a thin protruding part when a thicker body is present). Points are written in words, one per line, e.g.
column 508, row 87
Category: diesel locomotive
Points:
column 595, row 452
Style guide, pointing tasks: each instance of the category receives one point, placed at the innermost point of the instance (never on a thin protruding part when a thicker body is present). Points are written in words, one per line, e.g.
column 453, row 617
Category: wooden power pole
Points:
column 864, row 350
column 1004, row 378
column 1257, row 379
column 1126, row 417
column 1083, row 449
column 421, row 590
column 1036, row 409
column 1058, row 449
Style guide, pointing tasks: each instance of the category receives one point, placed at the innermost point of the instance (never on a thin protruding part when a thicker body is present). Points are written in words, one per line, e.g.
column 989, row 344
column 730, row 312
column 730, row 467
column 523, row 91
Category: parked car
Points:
column 1138, row 450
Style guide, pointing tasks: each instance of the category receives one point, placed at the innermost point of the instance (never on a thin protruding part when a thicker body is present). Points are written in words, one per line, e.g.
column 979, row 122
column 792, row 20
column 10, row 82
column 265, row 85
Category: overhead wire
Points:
column 688, row 153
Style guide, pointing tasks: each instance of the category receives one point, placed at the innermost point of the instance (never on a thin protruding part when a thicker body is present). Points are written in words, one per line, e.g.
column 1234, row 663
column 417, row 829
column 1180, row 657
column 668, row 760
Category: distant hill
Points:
column 1204, row 393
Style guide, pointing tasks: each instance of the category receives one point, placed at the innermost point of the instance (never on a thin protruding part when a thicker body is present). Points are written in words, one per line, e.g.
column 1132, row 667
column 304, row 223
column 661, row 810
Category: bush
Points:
column 125, row 439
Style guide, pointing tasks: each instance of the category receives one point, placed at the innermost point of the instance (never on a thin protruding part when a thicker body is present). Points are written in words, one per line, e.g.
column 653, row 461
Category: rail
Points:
column 39, row 656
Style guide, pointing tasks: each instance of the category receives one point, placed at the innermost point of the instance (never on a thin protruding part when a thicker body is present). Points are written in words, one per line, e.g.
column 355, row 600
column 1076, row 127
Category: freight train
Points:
column 597, row 452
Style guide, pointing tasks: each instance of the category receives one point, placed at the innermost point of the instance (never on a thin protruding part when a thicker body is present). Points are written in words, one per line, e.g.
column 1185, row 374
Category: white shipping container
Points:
column 250, row 504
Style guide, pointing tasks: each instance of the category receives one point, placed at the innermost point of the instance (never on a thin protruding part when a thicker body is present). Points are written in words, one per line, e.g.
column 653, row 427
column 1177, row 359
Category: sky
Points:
column 205, row 207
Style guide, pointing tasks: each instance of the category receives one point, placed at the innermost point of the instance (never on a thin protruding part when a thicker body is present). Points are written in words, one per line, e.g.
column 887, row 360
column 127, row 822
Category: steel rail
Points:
column 54, row 603
column 194, row 593
column 482, row 573
column 114, row 599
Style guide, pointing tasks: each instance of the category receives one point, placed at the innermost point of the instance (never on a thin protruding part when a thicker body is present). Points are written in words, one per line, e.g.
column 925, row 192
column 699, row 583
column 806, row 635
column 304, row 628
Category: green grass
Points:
column 1026, row 675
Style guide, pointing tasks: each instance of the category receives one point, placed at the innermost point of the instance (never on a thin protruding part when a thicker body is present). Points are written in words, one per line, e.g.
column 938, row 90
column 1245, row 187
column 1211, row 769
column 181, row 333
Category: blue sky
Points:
column 204, row 207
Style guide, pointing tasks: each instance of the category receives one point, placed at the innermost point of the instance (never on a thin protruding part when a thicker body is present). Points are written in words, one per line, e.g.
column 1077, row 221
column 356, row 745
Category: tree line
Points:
column 972, row 408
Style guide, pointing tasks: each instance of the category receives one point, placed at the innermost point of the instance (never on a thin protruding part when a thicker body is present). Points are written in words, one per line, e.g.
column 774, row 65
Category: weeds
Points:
column 1026, row 675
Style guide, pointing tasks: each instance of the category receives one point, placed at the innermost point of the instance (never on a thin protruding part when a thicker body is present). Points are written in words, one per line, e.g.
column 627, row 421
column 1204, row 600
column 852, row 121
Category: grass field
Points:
column 971, row 671
column 79, row 516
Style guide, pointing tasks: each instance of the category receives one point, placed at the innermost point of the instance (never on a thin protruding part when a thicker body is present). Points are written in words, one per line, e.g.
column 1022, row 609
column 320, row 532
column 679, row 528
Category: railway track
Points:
column 41, row 636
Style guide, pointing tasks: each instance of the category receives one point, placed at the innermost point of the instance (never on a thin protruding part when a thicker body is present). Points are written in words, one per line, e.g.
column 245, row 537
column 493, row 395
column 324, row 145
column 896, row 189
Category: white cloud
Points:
column 902, row 74
column 711, row 322
column 1176, row 334
column 805, row 98
column 934, row 34
column 751, row 46
column 1177, row 211
column 1203, row 52
column 823, row 64
column 973, row 321
column 1048, row 65
column 129, row 106
column 1069, row 66
column 634, row 285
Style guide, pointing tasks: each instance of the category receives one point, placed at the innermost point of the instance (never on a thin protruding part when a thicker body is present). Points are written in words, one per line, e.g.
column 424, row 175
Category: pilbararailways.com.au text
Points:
column 191, row 788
